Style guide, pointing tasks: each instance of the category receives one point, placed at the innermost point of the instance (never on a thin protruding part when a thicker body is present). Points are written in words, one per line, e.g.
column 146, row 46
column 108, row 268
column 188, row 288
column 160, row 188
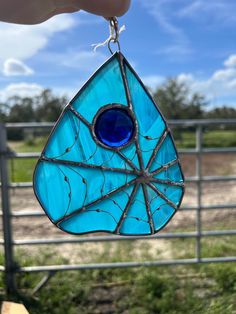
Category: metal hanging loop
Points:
column 114, row 34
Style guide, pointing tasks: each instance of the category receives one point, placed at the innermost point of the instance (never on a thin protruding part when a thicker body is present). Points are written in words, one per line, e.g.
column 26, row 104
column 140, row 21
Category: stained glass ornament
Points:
column 110, row 163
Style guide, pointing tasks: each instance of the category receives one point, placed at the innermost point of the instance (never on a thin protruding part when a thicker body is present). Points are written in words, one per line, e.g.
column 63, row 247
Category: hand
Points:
column 37, row 11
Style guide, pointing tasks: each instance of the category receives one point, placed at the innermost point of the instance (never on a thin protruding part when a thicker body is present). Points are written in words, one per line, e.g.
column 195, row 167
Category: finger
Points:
column 107, row 8
column 64, row 10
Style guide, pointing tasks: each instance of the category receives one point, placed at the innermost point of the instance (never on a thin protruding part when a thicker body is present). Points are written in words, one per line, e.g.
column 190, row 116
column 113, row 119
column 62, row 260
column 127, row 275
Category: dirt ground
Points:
column 217, row 193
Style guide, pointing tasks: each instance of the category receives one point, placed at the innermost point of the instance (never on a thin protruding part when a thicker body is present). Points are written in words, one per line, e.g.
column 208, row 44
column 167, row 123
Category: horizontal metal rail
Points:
column 56, row 268
column 179, row 123
column 223, row 150
column 202, row 122
column 177, row 235
column 210, row 179
column 36, row 213
column 29, row 125
column 207, row 151
column 195, row 179
column 14, row 155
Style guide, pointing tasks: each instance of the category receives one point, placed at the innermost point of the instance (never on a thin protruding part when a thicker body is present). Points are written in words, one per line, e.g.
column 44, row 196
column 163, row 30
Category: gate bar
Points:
column 6, row 211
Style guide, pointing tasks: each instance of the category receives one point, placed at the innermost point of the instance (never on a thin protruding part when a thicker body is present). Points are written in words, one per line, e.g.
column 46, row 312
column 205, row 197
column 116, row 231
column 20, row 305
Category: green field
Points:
column 198, row 289
column 219, row 138
column 21, row 170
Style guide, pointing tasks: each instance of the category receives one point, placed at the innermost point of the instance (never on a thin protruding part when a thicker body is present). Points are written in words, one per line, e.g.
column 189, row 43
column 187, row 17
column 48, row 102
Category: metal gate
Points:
column 10, row 268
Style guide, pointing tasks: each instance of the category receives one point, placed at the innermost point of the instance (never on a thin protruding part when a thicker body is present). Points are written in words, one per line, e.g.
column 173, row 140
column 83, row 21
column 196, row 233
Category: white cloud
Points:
column 231, row 61
column 152, row 81
column 224, row 74
column 23, row 41
column 21, row 90
column 220, row 87
column 14, row 67
column 33, row 89
column 232, row 85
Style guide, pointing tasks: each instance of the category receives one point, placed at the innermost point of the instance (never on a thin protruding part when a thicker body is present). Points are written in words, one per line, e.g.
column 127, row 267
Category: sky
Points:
column 194, row 41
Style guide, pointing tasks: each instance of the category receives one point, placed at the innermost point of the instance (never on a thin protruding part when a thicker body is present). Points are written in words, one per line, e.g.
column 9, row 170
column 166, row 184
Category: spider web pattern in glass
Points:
column 84, row 186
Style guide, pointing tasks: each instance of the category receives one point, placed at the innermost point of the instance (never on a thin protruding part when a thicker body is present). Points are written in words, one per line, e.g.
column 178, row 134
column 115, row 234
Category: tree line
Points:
column 177, row 102
column 43, row 108
column 174, row 99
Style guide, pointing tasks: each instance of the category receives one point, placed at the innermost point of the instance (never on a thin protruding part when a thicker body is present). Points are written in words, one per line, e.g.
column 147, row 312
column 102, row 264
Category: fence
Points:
column 11, row 268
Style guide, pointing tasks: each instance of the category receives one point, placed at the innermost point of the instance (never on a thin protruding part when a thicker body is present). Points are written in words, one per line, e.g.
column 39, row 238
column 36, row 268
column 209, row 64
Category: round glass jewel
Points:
column 114, row 127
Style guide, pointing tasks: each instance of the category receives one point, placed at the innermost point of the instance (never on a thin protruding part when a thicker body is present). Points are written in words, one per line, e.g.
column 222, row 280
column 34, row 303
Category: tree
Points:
column 176, row 101
column 21, row 109
column 221, row 113
column 48, row 107
column 3, row 112
column 45, row 107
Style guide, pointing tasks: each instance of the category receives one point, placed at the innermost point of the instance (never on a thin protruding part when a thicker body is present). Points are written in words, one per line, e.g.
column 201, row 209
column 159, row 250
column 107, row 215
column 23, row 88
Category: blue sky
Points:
column 194, row 41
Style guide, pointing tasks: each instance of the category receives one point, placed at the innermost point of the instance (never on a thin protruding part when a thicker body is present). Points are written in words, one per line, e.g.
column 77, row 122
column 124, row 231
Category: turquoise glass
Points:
column 110, row 163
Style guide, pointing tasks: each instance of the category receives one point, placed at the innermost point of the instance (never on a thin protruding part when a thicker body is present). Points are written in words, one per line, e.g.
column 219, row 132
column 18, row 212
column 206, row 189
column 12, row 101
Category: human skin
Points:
column 37, row 11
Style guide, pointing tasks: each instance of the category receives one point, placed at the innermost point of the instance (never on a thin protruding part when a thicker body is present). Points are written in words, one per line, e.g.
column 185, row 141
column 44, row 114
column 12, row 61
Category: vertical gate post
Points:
column 199, row 190
column 6, row 214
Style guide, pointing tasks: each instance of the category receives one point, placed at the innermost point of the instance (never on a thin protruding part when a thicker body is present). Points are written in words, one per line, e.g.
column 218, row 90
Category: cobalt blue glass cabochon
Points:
column 110, row 163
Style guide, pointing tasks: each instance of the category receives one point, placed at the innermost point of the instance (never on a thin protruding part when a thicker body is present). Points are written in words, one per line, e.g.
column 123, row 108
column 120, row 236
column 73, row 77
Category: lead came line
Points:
column 160, row 142
column 89, row 166
column 130, row 104
column 140, row 158
column 117, row 230
column 79, row 116
column 123, row 74
column 165, row 167
column 162, row 196
column 82, row 209
column 168, row 182
column 128, row 161
column 150, row 220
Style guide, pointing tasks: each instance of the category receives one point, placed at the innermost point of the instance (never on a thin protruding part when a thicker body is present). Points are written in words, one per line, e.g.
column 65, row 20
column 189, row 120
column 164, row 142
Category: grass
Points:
column 21, row 170
column 211, row 247
column 200, row 289
column 214, row 138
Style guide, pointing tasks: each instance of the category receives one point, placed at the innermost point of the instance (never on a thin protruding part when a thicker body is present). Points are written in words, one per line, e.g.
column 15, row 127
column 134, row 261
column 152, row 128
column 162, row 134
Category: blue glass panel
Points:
column 161, row 211
column 131, row 153
column 72, row 140
column 150, row 122
column 165, row 154
column 173, row 193
column 162, row 216
column 100, row 217
column 172, row 173
column 62, row 189
column 104, row 88
column 136, row 221
column 48, row 184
